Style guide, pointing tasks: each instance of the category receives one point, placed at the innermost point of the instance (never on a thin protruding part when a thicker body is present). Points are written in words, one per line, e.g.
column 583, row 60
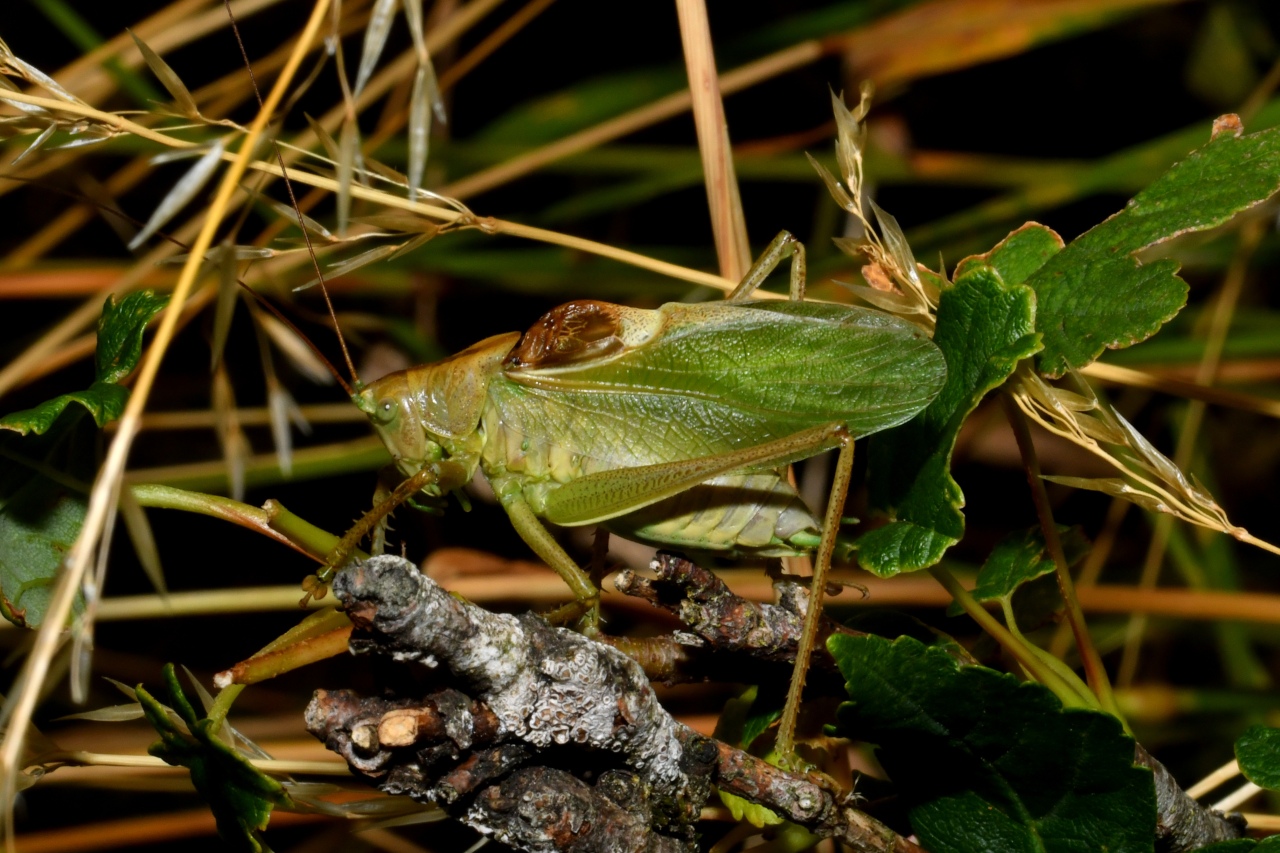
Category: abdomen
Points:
column 734, row 515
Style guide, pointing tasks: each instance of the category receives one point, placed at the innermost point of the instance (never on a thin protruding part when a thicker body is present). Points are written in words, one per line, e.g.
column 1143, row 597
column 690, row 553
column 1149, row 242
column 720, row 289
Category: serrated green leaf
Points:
column 1015, row 564
column 1094, row 294
column 101, row 399
column 38, row 524
column 120, row 332
column 984, row 328
column 1270, row 844
column 740, row 724
column 1235, row 845
column 985, row 762
column 41, row 518
column 753, row 813
column 1018, row 256
column 1258, row 752
column 1016, row 559
column 1022, row 557
column 894, row 624
column 757, row 723
column 240, row 796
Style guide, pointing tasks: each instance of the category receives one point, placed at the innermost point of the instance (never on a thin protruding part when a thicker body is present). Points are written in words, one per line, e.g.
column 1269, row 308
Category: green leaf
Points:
column 1258, row 752
column 1016, row 559
column 984, row 328
column 1095, row 295
column 40, row 515
column 1017, row 256
column 985, row 762
column 120, row 332
column 753, row 813
column 1022, row 557
column 39, row 522
column 240, row 796
column 1016, row 564
column 740, row 724
column 102, row 400
column 1270, row 844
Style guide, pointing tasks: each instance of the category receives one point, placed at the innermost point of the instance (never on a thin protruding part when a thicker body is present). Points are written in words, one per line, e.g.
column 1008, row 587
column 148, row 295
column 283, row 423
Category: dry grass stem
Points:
column 728, row 224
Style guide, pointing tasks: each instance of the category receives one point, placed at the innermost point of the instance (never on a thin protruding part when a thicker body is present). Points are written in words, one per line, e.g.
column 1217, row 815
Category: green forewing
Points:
column 720, row 377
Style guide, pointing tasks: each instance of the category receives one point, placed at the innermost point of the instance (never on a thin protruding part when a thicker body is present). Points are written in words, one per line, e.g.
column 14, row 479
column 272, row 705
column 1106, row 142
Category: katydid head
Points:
column 390, row 406
column 432, row 411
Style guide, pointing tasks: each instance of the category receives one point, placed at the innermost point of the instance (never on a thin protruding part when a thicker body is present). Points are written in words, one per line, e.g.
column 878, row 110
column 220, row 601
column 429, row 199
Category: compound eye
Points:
column 385, row 412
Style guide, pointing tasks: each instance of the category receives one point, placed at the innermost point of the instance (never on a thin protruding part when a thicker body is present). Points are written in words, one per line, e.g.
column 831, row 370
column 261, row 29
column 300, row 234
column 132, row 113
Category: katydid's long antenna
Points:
column 293, row 200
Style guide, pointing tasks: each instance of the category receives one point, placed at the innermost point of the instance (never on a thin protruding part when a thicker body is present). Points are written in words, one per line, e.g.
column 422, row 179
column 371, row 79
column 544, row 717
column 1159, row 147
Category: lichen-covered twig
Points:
column 1182, row 824
column 548, row 709
column 723, row 620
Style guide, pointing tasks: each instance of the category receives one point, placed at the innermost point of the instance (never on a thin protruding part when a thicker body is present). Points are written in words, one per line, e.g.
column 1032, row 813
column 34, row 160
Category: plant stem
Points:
column 1027, row 659
column 1095, row 672
column 215, row 506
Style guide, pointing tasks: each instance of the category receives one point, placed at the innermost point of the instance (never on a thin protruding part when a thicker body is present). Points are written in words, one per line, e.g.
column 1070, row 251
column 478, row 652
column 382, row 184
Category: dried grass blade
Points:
column 143, row 538
column 375, row 39
column 237, row 253
column 282, row 409
column 384, row 171
column 235, row 447
column 401, row 221
column 417, row 24
column 168, row 78
column 225, row 306
column 411, row 246
column 349, row 141
column 896, row 244
column 834, row 187
column 183, row 191
column 728, row 224
column 295, row 350
column 84, row 134
column 417, row 29
column 29, row 109
column 121, row 686
column 36, row 144
column 355, row 263
column 326, row 139
column 894, row 303
column 306, row 223
column 420, row 125
column 1115, row 487
column 109, row 714
column 35, row 75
